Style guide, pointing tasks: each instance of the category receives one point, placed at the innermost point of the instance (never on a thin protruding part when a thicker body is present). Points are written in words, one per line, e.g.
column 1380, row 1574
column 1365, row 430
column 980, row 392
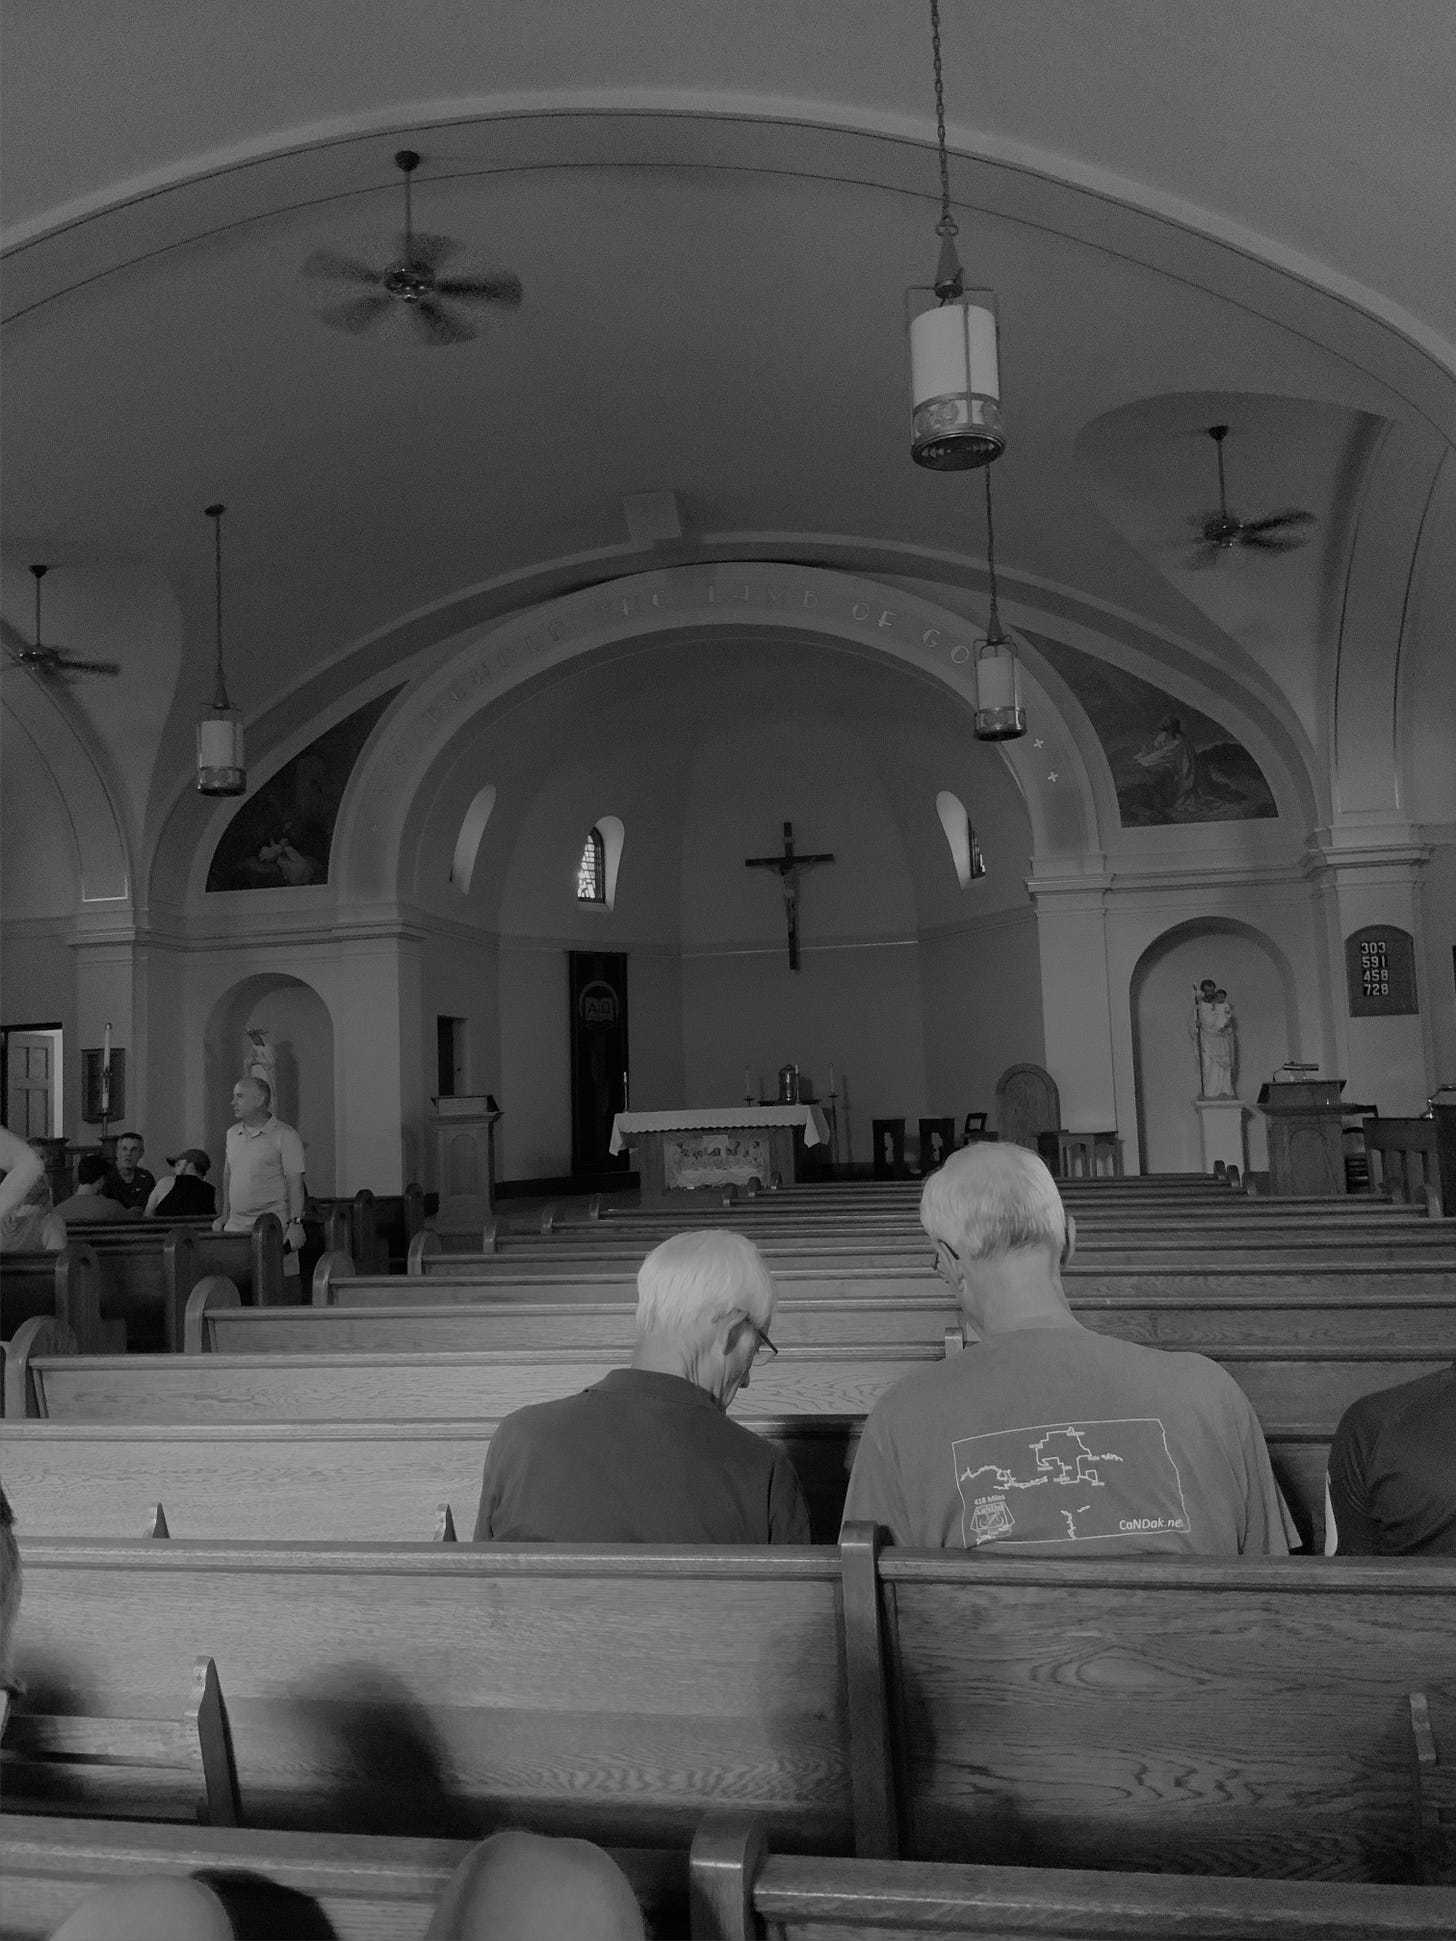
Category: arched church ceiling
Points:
column 282, row 836
column 715, row 215
column 1170, row 763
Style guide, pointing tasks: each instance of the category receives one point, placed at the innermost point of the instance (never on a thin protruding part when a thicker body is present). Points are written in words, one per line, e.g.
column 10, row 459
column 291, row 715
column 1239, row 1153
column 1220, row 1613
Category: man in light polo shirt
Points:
column 264, row 1169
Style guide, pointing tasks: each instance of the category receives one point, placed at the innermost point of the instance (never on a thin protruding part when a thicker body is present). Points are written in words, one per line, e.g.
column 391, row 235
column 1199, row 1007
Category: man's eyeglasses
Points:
column 763, row 1340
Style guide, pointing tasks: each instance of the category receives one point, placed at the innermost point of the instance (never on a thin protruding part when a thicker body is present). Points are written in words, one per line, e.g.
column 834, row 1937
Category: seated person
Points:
column 1045, row 1438
column 648, row 1454
column 130, row 1184
column 184, row 1193
column 28, row 1222
column 1391, row 1487
column 9, row 1606
column 91, row 1201
column 519, row 1886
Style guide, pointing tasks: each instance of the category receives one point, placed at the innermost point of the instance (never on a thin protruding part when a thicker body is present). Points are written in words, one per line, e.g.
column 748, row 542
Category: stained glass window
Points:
column 591, row 871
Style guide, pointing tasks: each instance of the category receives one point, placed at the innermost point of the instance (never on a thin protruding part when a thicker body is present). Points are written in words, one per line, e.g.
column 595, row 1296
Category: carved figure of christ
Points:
column 790, row 870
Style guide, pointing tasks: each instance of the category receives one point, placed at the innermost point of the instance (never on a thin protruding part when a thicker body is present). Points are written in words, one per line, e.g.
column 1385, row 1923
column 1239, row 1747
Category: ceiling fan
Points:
column 1221, row 531
column 51, row 664
column 409, row 287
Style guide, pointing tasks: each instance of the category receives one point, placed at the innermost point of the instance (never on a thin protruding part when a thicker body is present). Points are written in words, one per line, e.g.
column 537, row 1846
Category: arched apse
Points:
column 298, row 1023
column 382, row 821
column 1260, row 982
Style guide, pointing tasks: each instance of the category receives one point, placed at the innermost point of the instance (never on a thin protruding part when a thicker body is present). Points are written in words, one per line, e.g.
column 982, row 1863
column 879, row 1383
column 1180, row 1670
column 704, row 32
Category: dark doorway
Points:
column 450, row 1060
column 599, row 1062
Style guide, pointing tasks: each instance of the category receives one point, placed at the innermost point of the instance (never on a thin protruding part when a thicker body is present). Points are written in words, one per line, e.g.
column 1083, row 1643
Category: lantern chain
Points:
column 215, row 512
column 947, row 225
column 994, row 635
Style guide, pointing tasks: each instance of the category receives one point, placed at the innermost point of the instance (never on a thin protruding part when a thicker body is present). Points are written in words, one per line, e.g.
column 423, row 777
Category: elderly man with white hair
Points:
column 1045, row 1438
column 648, row 1454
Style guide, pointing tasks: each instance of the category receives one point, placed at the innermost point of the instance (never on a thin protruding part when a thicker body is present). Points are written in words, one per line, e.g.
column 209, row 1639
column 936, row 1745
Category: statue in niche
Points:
column 1213, row 1030
column 261, row 1060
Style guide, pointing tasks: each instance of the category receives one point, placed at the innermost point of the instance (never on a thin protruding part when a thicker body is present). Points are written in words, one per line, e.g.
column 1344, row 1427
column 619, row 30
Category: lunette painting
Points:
column 1170, row 763
column 280, row 838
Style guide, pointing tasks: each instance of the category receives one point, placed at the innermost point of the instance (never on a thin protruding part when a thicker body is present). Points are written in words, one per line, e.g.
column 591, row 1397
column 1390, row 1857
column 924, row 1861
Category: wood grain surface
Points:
column 438, row 1689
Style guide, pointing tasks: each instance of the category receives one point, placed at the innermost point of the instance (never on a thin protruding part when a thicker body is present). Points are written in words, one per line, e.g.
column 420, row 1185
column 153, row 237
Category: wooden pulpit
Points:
column 1306, row 1136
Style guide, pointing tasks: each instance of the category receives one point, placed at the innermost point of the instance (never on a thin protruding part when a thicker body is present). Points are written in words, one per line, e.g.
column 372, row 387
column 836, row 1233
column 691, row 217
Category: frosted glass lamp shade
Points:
column 999, row 713
column 220, row 766
column 955, row 385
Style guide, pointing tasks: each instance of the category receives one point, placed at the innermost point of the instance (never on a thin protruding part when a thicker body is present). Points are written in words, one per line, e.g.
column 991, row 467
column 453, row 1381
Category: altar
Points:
column 684, row 1152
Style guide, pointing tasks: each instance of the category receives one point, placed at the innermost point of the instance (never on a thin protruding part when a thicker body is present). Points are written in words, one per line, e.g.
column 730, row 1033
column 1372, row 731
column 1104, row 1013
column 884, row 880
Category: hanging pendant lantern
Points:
column 955, row 363
column 220, row 766
column 999, row 713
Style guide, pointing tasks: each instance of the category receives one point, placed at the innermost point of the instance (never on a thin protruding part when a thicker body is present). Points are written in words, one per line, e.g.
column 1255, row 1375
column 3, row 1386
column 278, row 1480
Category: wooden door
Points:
column 28, row 1087
column 599, row 1062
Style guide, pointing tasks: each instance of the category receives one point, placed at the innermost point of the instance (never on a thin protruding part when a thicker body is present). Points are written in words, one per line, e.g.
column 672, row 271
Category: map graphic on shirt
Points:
column 1063, row 1482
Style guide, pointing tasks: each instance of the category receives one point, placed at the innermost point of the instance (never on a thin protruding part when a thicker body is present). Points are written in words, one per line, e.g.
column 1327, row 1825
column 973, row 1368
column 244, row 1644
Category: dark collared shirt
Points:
column 637, row 1458
column 1393, row 1471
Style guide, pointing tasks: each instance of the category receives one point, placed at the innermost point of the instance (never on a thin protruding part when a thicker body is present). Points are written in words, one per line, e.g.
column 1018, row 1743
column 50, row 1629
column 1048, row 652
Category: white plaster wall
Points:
column 1438, row 972
column 534, row 1137
column 981, row 994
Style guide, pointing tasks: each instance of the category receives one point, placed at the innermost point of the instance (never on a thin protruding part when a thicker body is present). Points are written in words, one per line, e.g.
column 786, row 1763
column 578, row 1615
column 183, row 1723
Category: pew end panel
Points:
column 127, row 1767
column 1433, row 1793
column 421, row 1246
column 214, row 1292
column 336, row 1265
column 42, row 1336
column 1246, row 1718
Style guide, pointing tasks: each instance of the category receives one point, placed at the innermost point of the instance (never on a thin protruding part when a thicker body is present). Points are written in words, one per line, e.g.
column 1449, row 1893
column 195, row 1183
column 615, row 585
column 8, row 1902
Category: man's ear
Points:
column 1069, row 1244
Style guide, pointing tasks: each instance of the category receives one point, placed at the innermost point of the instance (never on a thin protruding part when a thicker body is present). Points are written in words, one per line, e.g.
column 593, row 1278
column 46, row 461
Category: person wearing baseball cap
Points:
column 184, row 1194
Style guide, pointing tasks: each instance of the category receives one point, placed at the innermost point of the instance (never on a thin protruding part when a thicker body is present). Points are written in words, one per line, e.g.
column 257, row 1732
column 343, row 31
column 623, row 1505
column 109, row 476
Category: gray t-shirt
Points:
column 1061, row 1442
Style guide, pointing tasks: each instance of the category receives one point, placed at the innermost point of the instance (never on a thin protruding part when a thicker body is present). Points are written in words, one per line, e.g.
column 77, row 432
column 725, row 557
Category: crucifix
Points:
column 790, row 868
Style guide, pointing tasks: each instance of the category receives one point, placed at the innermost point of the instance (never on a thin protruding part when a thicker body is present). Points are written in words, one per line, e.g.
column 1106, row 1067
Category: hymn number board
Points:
column 1380, row 969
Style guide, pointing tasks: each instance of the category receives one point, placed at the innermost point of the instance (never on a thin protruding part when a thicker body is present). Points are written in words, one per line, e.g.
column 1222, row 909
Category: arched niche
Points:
column 298, row 1023
column 1260, row 982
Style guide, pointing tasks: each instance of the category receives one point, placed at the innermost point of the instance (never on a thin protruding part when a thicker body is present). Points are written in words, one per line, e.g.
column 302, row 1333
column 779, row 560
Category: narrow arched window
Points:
column 591, row 871
column 965, row 847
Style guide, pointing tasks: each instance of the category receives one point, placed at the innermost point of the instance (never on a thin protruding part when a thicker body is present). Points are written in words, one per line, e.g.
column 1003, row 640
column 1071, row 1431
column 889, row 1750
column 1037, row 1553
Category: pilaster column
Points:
column 1076, row 1008
column 1368, row 873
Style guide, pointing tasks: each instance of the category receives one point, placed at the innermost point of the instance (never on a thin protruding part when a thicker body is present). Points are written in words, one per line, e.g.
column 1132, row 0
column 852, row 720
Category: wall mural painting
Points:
column 280, row 838
column 1169, row 762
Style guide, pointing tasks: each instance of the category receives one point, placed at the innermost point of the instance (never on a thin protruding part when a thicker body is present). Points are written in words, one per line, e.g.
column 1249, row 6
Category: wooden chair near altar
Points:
column 889, row 1138
column 974, row 1129
column 937, row 1143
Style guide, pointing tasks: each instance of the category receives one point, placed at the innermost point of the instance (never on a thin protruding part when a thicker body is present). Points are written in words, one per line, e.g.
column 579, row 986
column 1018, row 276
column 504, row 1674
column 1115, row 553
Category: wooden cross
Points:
column 790, row 868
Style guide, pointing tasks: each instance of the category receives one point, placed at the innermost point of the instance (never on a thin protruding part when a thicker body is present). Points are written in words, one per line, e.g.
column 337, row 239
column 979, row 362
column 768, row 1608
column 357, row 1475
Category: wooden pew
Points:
column 1147, row 1714
column 423, row 1386
column 1204, row 1276
column 1169, row 1320
column 827, row 1247
column 740, row 1891
column 148, row 1269
column 351, row 1886
column 617, row 1692
column 67, row 1286
column 401, row 1482
column 1198, row 1717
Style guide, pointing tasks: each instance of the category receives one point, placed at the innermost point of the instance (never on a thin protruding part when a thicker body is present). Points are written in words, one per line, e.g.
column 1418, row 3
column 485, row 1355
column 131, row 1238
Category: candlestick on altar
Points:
column 105, row 1078
column 625, row 1106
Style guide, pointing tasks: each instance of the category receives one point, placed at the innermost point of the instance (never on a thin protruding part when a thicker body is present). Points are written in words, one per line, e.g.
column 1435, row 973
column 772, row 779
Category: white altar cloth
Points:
column 756, row 1117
